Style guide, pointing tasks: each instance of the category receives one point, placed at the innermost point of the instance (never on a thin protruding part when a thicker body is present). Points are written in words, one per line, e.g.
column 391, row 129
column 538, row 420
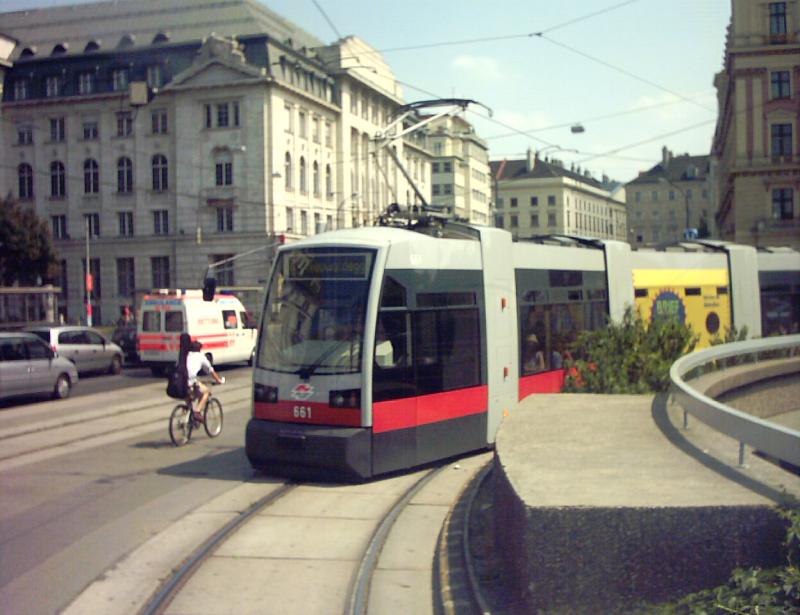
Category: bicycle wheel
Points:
column 212, row 417
column 180, row 425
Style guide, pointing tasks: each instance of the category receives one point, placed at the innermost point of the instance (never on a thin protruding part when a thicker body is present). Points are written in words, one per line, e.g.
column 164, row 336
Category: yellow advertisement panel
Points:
column 698, row 297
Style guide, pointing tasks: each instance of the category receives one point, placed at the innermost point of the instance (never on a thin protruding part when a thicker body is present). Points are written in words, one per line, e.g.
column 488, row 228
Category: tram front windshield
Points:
column 314, row 317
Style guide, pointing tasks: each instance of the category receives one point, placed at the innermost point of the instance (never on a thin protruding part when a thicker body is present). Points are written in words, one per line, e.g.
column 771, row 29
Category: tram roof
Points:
column 364, row 235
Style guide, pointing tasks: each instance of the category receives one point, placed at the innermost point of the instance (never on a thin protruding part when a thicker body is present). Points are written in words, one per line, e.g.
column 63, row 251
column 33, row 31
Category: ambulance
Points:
column 225, row 328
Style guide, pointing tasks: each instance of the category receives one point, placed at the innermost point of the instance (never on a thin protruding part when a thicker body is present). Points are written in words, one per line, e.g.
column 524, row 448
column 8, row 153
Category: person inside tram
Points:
column 534, row 357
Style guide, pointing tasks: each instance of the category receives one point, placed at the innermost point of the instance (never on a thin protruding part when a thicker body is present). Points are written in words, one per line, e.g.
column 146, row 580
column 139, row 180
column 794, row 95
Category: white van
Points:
column 222, row 325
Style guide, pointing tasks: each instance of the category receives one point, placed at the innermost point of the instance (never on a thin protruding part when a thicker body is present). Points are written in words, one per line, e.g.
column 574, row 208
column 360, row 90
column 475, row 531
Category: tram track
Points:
column 237, row 545
column 55, row 434
column 161, row 600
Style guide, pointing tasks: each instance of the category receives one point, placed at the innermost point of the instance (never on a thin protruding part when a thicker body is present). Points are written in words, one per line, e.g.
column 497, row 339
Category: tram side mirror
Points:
column 209, row 289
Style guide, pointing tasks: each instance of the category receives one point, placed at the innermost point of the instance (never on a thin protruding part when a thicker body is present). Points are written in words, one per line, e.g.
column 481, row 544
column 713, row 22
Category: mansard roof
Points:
column 140, row 23
column 542, row 169
column 676, row 169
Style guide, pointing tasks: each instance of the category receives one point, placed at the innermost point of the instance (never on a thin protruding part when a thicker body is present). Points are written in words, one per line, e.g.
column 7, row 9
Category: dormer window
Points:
column 52, row 86
column 126, row 41
column 161, row 37
column 59, row 49
column 691, row 172
column 28, row 52
column 22, row 89
column 91, row 46
column 119, row 79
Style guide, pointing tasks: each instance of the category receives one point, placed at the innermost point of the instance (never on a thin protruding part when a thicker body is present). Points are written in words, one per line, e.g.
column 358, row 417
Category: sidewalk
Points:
column 606, row 500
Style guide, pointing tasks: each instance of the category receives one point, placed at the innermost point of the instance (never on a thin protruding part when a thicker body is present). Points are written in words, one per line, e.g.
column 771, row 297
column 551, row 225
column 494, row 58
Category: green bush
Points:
column 752, row 591
column 628, row 357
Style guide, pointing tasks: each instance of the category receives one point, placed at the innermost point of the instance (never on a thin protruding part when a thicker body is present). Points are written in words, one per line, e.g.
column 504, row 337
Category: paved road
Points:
column 85, row 480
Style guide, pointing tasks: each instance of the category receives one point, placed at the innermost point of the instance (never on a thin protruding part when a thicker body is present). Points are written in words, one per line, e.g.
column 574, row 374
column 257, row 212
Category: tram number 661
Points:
column 302, row 412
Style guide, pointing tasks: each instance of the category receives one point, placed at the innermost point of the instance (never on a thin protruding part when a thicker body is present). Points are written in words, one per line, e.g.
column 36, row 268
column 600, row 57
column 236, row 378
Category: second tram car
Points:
column 384, row 348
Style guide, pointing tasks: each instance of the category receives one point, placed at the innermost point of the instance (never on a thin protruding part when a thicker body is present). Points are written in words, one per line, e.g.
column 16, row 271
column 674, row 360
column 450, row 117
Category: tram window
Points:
column 640, row 292
column 722, row 290
column 559, row 277
column 692, row 292
column 446, row 350
column 393, row 293
column 392, row 340
column 439, row 300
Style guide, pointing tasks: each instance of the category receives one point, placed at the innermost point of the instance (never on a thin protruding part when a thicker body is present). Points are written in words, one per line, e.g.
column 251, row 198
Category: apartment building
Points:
column 177, row 135
column 757, row 138
column 535, row 196
column 460, row 169
column 670, row 197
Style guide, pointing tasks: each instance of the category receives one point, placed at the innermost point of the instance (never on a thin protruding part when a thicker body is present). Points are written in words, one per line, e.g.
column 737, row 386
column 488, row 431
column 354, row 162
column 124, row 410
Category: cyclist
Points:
column 196, row 362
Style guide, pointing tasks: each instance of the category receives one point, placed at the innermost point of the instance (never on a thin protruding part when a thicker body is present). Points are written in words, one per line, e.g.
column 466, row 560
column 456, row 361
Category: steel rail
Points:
column 164, row 596
column 771, row 438
column 359, row 586
column 481, row 604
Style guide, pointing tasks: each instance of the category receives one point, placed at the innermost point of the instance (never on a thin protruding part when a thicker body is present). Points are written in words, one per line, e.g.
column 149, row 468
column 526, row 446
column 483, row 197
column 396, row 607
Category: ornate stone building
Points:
column 757, row 140
column 176, row 135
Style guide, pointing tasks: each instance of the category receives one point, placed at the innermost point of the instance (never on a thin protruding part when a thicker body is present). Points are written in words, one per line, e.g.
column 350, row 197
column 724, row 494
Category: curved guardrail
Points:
column 772, row 439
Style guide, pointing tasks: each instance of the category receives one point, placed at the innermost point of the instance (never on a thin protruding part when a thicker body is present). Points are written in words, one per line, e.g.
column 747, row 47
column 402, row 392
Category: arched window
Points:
column 316, row 178
column 58, row 180
column 303, row 178
column 328, row 181
column 160, row 173
column 91, row 176
column 124, row 175
column 287, row 171
column 25, row 174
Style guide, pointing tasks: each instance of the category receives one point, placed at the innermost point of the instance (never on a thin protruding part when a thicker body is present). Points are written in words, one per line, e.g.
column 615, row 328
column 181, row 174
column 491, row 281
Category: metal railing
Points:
column 770, row 438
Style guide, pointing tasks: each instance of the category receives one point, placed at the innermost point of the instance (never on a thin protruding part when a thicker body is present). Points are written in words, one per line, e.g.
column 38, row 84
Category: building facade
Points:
column 669, row 198
column 157, row 147
column 537, row 196
column 757, row 137
column 460, row 169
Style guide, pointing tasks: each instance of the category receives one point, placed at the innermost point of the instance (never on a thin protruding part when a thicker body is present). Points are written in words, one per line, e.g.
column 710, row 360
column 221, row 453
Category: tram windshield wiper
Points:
column 306, row 371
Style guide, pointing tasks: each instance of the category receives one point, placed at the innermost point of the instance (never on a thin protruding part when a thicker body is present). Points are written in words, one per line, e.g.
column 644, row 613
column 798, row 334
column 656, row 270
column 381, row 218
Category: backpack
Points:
column 177, row 385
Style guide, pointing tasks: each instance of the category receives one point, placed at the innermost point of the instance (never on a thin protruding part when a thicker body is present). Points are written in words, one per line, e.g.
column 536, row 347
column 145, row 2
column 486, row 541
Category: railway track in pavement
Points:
column 317, row 549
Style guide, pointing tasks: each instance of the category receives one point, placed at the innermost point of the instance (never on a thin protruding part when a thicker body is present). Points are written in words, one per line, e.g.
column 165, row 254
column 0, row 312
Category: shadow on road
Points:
column 229, row 464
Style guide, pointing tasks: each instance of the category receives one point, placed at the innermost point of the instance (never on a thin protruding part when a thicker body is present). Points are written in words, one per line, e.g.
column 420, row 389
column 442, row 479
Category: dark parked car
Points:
column 125, row 337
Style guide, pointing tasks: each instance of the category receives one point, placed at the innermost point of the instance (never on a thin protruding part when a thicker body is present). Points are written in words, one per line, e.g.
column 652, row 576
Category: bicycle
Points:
column 182, row 421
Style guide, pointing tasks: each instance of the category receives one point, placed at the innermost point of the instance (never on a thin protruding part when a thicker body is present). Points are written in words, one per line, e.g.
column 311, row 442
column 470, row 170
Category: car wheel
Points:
column 116, row 365
column 62, row 388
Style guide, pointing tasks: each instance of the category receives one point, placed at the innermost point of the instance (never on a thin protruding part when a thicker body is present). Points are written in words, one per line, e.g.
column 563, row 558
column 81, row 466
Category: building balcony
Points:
column 221, row 196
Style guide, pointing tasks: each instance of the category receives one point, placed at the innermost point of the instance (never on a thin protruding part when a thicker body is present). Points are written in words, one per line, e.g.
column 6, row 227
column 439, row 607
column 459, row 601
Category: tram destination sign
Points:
column 318, row 266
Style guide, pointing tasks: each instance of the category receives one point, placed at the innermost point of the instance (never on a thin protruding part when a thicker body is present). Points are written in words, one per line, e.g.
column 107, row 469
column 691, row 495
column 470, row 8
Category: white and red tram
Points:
column 383, row 348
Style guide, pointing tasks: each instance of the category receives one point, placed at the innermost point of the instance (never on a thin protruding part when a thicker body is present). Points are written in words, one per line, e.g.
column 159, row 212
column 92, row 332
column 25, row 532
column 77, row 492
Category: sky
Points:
column 637, row 75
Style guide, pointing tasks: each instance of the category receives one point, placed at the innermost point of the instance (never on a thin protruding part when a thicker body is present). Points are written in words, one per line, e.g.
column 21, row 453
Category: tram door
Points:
column 429, row 380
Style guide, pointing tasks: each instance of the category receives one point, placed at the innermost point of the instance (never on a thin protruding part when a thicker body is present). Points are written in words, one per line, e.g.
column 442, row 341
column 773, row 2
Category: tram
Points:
column 385, row 348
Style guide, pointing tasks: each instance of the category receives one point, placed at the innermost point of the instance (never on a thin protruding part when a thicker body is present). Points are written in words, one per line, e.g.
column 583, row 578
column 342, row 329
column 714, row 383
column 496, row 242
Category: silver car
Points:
column 28, row 366
column 85, row 347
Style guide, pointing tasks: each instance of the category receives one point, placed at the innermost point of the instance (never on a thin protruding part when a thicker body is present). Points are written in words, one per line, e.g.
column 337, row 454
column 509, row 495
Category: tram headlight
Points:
column 264, row 393
column 350, row 398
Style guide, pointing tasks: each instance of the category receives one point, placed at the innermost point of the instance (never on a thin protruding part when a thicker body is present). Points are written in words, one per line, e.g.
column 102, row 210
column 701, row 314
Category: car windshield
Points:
column 314, row 316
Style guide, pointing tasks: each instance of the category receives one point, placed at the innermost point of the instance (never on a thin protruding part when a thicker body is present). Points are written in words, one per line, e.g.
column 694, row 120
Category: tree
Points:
column 629, row 357
column 27, row 255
